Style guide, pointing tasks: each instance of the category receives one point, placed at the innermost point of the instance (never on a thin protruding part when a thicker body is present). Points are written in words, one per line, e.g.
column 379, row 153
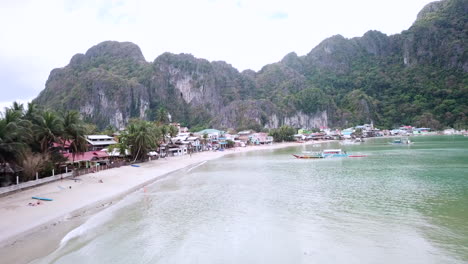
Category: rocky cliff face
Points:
column 385, row 79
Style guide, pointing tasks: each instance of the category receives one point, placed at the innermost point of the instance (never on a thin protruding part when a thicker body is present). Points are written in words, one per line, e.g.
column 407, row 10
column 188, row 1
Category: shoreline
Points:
column 75, row 201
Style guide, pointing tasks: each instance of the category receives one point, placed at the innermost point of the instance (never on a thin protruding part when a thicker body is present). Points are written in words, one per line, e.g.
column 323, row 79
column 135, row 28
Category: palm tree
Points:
column 173, row 131
column 31, row 112
column 162, row 116
column 74, row 132
column 15, row 133
column 48, row 128
column 9, row 147
column 164, row 132
column 141, row 138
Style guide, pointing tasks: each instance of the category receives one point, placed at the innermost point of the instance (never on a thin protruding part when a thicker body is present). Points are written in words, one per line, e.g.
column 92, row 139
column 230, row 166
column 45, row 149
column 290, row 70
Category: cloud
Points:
column 279, row 15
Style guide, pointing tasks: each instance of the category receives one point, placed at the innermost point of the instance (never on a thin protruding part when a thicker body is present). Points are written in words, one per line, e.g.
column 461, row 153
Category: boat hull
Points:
column 308, row 157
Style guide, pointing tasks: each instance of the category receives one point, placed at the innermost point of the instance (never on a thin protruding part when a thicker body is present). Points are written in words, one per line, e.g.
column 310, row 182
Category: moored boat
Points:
column 309, row 156
column 400, row 141
column 334, row 153
column 327, row 153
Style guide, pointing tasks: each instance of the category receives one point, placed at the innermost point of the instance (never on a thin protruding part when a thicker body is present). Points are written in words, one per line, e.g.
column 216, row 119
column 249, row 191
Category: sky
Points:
column 39, row 35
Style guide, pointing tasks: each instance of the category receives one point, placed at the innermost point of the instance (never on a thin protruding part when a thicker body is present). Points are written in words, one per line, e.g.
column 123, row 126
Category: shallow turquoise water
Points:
column 401, row 204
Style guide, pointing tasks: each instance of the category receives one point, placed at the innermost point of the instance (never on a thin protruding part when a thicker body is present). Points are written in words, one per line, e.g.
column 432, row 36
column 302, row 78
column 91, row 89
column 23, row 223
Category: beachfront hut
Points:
column 88, row 159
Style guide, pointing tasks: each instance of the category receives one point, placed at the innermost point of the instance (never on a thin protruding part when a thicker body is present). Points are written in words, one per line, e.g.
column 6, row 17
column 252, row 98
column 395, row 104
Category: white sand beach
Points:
column 73, row 201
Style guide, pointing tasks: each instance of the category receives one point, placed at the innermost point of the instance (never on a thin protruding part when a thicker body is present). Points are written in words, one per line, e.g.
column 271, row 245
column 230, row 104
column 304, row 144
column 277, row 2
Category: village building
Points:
column 213, row 134
column 261, row 138
column 244, row 136
column 87, row 159
column 300, row 137
column 421, row 131
column 347, row 133
column 98, row 142
column 316, row 136
column 180, row 129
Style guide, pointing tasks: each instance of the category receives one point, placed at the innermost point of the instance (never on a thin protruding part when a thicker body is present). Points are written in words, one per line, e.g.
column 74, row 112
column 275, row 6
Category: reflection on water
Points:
column 399, row 205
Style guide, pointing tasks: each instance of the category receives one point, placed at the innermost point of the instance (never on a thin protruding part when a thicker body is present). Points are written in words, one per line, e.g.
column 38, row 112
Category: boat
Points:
column 400, row 141
column 334, row 153
column 42, row 198
column 309, row 156
column 349, row 142
column 328, row 153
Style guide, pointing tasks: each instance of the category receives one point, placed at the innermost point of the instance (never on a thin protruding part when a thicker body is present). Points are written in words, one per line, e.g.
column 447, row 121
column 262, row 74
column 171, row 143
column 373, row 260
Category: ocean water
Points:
column 400, row 204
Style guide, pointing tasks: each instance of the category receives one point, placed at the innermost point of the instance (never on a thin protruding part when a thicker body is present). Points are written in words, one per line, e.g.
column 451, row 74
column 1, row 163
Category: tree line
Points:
column 32, row 138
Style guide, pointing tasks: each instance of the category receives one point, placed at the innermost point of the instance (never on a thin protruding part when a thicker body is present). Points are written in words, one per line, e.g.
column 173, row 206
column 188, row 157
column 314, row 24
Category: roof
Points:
column 246, row 132
column 59, row 145
column 100, row 143
column 210, row 131
column 86, row 156
column 95, row 137
column 332, row 151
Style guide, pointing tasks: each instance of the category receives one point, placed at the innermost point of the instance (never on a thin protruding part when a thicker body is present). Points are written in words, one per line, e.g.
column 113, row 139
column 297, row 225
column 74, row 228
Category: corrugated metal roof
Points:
column 100, row 143
column 87, row 156
column 99, row 137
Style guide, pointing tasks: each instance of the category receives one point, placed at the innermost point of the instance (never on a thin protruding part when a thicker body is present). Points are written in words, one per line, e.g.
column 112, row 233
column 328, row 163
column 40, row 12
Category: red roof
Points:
column 86, row 156
column 59, row 145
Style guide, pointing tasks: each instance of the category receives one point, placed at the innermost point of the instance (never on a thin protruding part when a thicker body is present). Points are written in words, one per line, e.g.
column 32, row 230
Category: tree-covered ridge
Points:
column 416, row 77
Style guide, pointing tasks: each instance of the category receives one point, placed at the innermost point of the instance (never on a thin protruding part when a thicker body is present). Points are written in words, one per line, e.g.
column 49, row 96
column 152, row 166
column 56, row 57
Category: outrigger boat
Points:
column 328, row 153
column 309, row 156
column 400, row 141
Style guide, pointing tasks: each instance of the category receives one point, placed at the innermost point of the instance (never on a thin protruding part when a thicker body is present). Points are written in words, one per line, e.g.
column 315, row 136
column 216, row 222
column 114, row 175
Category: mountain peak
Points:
column 116, row 49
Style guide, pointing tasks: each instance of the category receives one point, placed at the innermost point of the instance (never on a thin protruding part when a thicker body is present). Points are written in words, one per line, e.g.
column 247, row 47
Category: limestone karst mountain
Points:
column 418, row 76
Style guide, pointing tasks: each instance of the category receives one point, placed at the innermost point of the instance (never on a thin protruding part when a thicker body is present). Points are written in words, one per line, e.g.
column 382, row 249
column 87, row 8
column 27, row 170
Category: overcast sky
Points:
column 37, row 36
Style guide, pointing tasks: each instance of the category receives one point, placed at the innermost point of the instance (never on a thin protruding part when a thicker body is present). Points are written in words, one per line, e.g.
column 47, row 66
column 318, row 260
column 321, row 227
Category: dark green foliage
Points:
column 27, row 138
column 284, row 133
column 312, row 100
column 140, row 137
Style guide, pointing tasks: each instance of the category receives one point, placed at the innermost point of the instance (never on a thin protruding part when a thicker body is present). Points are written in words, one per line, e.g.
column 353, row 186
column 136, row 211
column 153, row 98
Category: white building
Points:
column 98, row 142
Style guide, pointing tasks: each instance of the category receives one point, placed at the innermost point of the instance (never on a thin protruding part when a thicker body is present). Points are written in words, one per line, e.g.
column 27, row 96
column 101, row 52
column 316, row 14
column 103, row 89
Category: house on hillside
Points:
column 98, row 142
